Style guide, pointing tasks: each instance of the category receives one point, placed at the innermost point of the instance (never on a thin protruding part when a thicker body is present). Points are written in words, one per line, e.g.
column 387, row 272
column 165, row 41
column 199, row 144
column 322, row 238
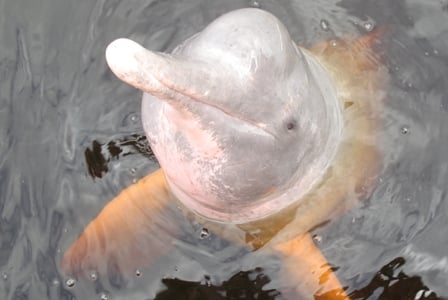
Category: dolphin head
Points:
column 242, row 121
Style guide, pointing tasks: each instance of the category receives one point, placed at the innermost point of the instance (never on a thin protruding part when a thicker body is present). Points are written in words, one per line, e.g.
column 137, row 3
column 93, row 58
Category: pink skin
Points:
column 243, row 122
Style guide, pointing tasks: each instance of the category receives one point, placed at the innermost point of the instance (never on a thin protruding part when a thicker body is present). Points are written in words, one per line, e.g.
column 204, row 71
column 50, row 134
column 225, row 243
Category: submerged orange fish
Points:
column 258, row 139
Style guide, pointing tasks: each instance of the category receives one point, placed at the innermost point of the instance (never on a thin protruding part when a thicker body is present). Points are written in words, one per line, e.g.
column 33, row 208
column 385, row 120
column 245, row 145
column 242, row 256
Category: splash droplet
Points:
column 404, row 129
column 324, row 25
column 204, row 233
column 70, row 282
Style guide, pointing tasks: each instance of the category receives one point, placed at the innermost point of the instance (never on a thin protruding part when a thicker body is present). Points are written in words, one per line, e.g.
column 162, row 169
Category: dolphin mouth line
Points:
column 216, row 107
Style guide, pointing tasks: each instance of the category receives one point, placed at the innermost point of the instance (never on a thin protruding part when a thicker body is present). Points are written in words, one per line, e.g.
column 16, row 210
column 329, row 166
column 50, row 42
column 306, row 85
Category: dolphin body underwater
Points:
column 258, row 139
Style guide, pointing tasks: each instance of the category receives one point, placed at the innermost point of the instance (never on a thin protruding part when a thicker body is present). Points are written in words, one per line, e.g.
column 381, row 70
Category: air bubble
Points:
column 333, row 43
column 131, row 118
column 138, row 273
column 104, row 296
column 255, row 4
column 369, row 26
column 133, row 170
column 70, row 282
column 5, row 276
column 204, row 233
column 404, row 129
column 324, row 25
column 317, row 238
column 55, row 282
column 409, row 85
column 93, row 276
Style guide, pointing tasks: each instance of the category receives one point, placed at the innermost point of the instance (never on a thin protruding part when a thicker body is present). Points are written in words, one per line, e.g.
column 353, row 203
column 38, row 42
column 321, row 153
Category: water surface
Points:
column 64, row 118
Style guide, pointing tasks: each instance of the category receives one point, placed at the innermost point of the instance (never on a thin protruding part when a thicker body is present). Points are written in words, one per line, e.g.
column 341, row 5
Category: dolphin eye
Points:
column 291, row 124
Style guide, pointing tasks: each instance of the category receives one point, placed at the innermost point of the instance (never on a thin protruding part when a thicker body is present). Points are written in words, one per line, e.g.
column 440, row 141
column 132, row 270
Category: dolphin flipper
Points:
column 128, row 233
column 307, row 269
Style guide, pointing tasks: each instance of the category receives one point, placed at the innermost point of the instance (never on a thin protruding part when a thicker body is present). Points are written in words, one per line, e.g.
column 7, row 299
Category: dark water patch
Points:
column 248, row 285
column 99, row 155
column 391, row 283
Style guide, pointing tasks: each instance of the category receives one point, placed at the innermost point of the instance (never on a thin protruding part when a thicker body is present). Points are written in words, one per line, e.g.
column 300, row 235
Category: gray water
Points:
column 60, row 106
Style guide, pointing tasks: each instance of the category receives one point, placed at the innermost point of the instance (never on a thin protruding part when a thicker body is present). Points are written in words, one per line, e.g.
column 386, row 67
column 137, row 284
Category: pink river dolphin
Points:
column 258, row 139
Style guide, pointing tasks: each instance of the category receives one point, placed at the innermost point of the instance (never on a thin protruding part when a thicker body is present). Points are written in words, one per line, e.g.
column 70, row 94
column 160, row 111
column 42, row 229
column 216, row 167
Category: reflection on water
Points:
column 65, row 119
